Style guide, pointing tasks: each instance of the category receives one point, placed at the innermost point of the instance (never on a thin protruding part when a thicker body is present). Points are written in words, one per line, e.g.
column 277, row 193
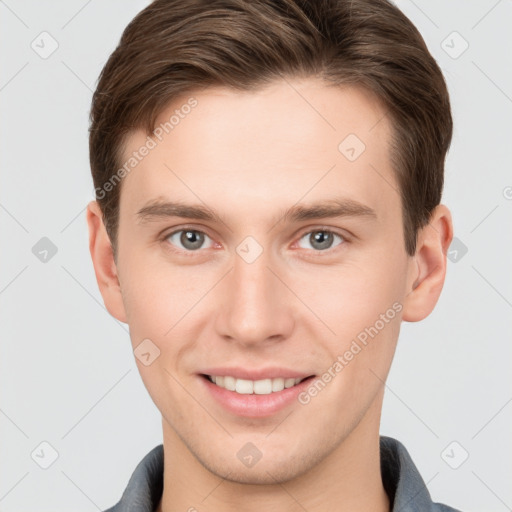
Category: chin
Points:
column 267, row 470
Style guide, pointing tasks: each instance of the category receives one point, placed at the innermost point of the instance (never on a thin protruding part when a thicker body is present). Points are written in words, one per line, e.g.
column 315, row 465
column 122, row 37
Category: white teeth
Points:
column 277, row 384
column 258, row 387
column 229, row 383
column 263, row 387
column 244, row 387
column 288, row 383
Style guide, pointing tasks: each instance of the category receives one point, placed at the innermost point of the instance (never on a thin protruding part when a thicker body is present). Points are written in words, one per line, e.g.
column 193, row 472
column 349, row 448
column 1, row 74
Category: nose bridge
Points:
column 255, row 307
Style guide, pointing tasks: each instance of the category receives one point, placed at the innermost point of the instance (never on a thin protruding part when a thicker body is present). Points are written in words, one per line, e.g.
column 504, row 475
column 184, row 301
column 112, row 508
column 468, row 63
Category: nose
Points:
column 256, row 307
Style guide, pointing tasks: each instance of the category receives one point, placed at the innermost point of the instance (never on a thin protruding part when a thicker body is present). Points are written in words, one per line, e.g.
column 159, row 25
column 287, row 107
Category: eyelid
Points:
column 167, row 233
column 346, row 235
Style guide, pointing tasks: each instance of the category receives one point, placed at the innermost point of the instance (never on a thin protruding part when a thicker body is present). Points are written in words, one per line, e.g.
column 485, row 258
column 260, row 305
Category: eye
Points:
column 320, row 239
column 190, row 239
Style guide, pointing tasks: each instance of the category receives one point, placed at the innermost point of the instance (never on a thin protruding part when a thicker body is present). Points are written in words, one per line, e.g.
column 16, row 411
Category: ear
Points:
column 104, row 265
column 428, row 266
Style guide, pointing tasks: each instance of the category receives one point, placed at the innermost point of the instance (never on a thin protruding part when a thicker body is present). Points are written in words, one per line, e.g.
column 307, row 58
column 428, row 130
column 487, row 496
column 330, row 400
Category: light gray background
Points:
column 67, row 372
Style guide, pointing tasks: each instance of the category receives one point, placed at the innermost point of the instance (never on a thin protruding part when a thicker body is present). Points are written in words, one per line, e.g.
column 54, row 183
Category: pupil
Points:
column 322, row 239
column 191, row 239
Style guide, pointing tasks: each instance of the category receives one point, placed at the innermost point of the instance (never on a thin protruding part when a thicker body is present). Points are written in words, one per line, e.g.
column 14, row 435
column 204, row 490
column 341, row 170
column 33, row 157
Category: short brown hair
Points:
column 177, row 46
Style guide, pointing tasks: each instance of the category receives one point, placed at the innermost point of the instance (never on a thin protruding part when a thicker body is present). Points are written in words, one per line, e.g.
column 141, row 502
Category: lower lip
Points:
column 255, row 406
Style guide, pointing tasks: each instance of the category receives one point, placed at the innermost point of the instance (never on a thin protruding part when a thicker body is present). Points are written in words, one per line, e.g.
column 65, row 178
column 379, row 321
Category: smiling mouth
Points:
column 257, row 387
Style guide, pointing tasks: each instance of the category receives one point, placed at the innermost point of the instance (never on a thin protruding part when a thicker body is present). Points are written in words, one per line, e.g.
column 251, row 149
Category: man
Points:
column 268, row 178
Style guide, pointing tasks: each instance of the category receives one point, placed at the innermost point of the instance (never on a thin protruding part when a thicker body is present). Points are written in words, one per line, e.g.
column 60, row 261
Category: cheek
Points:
column 352, row 296
column 159, row 301
column 361, row 304
column 366, row 323
column 157, row 294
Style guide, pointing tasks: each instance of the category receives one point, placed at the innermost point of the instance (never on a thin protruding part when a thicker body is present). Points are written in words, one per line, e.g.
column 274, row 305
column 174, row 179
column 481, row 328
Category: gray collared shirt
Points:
column 406, row 489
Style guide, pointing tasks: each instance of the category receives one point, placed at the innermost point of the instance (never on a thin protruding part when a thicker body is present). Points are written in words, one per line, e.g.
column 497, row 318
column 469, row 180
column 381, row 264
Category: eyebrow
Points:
column 335, row 207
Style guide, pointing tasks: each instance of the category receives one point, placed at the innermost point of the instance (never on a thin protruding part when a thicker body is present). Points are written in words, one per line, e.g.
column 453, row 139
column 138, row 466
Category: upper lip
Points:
column 255, row 374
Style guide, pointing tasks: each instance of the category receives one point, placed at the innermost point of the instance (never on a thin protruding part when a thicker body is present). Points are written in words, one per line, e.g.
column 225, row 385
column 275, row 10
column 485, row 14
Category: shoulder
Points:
column 144, row 489
column 440, row 507
column 402, row 481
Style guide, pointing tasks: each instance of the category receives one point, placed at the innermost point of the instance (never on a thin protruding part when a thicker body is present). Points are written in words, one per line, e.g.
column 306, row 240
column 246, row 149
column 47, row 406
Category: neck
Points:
column 349, row 479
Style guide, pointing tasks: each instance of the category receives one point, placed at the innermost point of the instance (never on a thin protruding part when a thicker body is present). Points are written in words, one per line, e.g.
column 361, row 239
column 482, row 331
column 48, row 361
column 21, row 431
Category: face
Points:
column 289, row 260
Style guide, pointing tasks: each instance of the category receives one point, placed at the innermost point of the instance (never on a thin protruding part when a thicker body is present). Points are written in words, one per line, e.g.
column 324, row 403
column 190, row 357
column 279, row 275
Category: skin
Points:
column 249, row 156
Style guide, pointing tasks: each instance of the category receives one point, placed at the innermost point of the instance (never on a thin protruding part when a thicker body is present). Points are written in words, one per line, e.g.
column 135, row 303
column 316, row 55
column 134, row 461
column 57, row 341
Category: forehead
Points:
column 293, row 139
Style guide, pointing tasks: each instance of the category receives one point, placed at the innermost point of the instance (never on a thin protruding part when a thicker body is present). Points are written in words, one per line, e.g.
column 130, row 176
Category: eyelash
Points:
column 345, row 239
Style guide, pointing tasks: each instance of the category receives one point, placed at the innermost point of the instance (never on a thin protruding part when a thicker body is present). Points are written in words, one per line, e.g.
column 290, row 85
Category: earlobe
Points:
column 105, row 267
column 428, row 266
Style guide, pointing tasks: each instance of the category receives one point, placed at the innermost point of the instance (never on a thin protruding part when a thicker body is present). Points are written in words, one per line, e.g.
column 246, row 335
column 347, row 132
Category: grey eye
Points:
column 190, row 239
column 320, row 239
